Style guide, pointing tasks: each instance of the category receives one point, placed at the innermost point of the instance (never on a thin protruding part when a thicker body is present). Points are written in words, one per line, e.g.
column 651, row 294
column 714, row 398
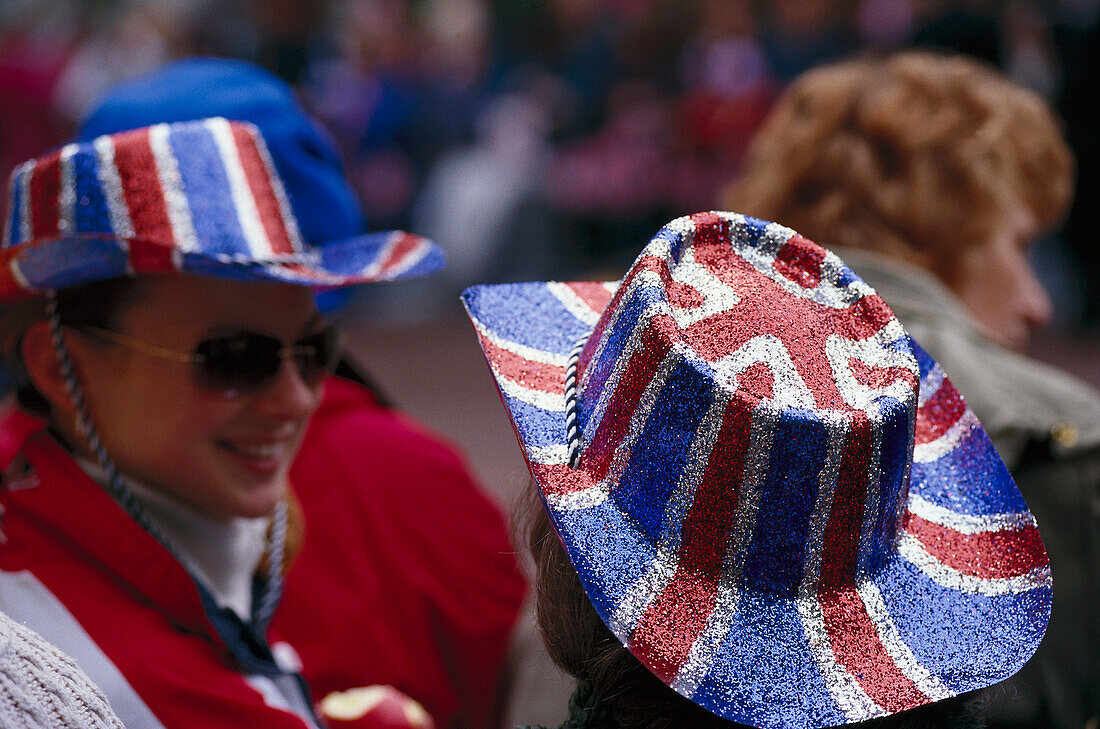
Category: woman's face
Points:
column 998, row 286
column 225, row 454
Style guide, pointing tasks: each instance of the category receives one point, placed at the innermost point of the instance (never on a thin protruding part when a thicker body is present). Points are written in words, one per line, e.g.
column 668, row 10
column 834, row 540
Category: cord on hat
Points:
column 572, row 432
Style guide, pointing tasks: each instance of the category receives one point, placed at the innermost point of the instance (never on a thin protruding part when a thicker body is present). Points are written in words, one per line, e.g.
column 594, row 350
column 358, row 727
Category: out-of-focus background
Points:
column 540, row 139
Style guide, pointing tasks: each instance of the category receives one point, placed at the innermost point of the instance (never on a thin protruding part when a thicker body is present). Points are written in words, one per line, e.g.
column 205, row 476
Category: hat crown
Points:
column 733, row 346
column 206, row 185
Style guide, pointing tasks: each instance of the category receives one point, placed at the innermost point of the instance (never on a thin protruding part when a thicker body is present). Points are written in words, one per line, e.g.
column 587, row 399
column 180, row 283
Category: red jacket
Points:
column 407, row 575
column 80, row 571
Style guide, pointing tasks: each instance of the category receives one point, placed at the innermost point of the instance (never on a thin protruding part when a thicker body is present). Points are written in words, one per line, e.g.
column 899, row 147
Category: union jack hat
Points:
column 772, row 495
column 199, row 197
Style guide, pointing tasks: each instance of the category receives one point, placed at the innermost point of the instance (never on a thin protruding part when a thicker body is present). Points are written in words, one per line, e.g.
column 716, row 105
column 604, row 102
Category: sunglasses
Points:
column 242, row 362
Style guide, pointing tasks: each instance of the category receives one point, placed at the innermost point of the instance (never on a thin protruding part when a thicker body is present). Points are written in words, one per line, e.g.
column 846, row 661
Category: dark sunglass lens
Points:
column 239, row 362
column 316, row 354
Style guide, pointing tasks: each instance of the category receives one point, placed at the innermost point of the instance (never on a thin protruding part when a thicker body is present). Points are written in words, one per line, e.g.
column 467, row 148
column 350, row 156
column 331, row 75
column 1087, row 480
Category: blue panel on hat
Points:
column 992, row 627
column 612, row 544
column 662, row 449
column 200, row 167
column 541, row 329
column 799, row 447
column 960, row 490
column 86, row 259
column 90, row 209
column 15, row 210
column 767, row 673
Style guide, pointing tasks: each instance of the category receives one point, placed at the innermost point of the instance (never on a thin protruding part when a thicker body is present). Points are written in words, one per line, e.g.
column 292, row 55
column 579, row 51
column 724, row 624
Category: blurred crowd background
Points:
column 541, row 138
column 550, row 138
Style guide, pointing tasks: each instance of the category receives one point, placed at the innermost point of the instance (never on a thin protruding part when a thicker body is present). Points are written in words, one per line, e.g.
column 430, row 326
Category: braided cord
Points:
column 276, row 549
column 276, row 540
column 572, row 431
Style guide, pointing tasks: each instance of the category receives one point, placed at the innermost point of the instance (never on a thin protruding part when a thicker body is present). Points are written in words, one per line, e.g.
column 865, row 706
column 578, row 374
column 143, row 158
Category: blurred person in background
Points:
column 933, row 176
column 411, row 559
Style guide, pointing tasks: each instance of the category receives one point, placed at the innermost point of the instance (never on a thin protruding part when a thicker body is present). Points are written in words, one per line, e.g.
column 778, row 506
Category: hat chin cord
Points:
column 572, row 431
column 276, row 539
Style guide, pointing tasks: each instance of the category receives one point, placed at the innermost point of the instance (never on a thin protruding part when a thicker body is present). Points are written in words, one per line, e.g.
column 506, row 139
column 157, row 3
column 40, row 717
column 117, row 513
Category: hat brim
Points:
column 961, row 604
column 59, row 263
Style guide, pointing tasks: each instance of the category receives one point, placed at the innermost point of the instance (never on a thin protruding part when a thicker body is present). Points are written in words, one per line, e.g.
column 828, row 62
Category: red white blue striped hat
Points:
column 199, row 197
column 777, row 500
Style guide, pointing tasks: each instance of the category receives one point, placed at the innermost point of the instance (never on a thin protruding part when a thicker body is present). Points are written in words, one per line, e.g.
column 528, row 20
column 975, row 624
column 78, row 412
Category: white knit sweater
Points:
column 42, row 688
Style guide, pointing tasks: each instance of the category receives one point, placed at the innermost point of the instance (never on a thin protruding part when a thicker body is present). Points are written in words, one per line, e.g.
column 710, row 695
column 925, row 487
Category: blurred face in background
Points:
column 998, row 285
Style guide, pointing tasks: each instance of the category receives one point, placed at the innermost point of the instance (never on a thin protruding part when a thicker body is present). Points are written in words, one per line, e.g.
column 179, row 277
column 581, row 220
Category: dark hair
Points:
column 96, row 304
column 580, row 643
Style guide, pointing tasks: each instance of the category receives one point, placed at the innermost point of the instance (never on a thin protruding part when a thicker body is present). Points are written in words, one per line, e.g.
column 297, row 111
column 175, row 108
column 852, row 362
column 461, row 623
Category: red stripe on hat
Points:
column 137, row 171
column 996, row 554
column 642, row 366
column 406, row 245
column 800, row 261
column 45, row 195
column 645, row 263
column 525, row 372
column 263, row 192
column 560, row 480
column 840, row 543
column 150, row 256
column 673, row 622
column 857, row 647
column 941, row 411
column 852, row 632
column 594, row 295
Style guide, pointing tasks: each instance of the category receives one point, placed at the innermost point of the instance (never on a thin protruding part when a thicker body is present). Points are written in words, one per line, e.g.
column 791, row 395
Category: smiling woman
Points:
column 158, row 307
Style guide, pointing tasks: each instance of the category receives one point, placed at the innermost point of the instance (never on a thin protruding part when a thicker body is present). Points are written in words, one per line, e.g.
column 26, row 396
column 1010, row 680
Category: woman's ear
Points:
column 43, row 367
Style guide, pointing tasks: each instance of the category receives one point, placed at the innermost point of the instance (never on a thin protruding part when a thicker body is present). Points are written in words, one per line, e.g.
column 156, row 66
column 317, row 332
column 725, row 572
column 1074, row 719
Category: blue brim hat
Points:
column 772, row 495
column 307, row 160
column 199, row 197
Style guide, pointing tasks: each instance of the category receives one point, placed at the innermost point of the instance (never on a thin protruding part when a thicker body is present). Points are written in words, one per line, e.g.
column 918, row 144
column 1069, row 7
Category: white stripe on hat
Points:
column 873, row 485
column 25, row 172
column 111, row 183
column 535, row 355
column 718, row 296
column 849, row 696
column 290, row 223
column 914, row 552
column 410, row 259
column 896, row 647
column 940, row 447
column 66, row 198
column 243, row 201
column 838, row 436
column 171, row 185
column 573, row 303
column 969, row 523
column 18, row 275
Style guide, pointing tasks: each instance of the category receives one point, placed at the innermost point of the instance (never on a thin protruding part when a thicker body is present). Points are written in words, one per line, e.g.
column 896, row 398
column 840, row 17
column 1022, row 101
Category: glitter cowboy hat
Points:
column 199, row 197
column 772, row 495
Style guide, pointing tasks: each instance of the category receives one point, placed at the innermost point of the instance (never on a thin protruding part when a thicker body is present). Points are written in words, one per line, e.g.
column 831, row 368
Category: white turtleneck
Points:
column 222, row 554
